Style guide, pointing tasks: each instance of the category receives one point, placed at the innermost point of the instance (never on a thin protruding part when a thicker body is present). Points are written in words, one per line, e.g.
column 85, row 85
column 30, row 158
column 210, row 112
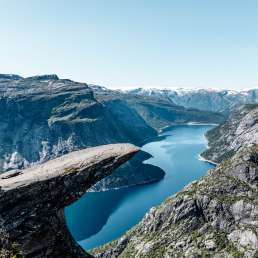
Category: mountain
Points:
column 203, row 99
column 216, row 216
column 43, row 117
column 157, row 112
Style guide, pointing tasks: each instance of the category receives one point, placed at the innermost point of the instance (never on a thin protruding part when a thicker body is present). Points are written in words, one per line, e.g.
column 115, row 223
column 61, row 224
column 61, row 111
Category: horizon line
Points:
column 131, row 87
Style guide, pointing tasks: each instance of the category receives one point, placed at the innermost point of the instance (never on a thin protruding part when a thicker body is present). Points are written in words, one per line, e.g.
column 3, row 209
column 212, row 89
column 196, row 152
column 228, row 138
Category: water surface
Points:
column 100, row 217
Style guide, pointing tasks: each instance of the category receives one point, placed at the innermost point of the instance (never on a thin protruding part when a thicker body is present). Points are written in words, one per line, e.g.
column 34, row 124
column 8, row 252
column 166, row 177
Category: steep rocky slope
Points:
column 216, row 216
column 32, row 201
column 43, row 117
column 239, row 131
column 203, row 99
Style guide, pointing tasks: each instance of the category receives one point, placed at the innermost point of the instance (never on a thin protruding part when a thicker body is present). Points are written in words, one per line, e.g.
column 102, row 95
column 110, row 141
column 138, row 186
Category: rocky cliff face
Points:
column 32, row 201
column 216, row 216
column 239, row 131
column 43, row 117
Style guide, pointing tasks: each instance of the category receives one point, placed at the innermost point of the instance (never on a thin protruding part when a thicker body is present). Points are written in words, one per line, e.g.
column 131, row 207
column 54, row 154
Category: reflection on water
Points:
column 98, row 218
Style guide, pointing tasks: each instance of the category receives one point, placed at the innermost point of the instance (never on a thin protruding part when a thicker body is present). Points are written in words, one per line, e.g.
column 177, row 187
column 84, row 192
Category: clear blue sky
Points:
column 131, row 43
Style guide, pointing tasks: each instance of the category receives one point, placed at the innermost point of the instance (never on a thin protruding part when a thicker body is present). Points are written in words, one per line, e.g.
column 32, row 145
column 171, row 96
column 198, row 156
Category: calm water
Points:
column 97, row 218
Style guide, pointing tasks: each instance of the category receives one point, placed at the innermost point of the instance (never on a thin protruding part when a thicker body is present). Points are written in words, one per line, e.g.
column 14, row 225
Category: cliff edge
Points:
column 32, row 200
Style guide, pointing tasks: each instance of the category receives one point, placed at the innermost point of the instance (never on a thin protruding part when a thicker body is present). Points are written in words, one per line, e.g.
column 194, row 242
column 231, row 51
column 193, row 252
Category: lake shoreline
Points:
column 126, row 186
column 168, row 127
column 114, row 211
column 200, row 157
column 159, row 136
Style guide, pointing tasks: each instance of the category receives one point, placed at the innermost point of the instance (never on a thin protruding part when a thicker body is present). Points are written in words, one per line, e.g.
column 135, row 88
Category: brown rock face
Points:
column 32, row 200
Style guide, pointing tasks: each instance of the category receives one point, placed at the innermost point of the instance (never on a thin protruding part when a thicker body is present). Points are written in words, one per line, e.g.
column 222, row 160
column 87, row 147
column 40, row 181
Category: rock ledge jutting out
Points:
column 32, row 200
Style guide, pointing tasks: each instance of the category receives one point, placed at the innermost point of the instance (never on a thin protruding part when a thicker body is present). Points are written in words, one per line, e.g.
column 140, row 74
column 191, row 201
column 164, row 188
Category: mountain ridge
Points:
column 204, row 99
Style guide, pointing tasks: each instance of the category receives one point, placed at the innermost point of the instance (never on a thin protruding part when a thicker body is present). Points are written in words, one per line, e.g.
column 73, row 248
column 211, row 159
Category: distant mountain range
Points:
column 202, row 99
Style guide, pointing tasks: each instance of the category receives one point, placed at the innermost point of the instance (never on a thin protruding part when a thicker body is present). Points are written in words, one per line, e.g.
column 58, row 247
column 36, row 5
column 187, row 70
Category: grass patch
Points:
column 71, row 170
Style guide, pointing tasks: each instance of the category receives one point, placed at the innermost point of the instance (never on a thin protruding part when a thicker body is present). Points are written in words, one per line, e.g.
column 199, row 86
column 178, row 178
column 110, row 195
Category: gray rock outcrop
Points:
column 32, row 200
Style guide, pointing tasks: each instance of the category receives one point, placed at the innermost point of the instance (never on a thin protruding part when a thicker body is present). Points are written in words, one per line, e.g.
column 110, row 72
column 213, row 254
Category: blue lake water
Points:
column 100, row 217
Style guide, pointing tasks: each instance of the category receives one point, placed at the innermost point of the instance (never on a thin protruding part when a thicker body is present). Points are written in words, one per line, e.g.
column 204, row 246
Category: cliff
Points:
column 239, row 131
column 54, row 117
column 32, row 200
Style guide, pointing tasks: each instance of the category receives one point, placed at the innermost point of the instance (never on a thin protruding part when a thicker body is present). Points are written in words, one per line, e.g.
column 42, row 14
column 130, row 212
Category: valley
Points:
column 128, row 129
column 172, row 205
column 116, row 211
